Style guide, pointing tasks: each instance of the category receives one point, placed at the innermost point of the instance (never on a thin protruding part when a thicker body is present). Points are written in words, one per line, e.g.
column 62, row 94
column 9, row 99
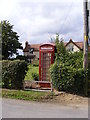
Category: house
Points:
column 32, row 50
column 74, row 46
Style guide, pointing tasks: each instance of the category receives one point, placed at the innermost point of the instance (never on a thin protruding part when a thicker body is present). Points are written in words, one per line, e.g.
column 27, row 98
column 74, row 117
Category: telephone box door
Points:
column 45, row 60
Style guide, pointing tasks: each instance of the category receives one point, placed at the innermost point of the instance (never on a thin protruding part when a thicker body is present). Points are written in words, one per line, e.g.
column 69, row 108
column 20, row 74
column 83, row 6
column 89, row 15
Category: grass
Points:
column 25, row 95
column 31, row 69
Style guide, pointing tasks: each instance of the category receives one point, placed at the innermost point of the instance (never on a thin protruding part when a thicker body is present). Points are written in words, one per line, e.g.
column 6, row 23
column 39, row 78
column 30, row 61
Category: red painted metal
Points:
column 46, row 58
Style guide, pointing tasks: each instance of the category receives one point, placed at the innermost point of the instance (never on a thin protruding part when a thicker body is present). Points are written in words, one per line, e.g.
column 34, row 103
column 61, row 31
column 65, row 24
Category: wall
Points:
column 26, row 53
column 70, row 46
column 36, row 53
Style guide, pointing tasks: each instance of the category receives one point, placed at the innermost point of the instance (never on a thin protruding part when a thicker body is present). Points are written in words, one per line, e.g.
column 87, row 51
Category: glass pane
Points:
column 45, row 65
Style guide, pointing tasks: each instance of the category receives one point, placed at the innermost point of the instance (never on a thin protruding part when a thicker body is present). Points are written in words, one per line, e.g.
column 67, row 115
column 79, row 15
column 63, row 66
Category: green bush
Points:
column 79, row 81
column 75, row 59
column 89, row 66
column 13, row 73
column 67, row 78
column 21, row 57
column 35, row 76
column 89, row 70
column 67, row 73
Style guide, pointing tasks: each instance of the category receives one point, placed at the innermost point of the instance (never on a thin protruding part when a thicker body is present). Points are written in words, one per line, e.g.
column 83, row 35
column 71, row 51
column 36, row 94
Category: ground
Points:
column 12, row 108
column 59, row 97
column 68, row 99
column 55, row 97
column 43, row 104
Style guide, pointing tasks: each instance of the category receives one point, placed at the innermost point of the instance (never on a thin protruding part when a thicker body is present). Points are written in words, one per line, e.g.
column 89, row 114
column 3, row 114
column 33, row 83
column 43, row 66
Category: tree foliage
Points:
column 10, row 40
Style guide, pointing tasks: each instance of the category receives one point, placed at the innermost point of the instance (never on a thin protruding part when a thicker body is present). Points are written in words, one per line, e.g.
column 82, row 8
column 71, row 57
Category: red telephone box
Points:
column 46, row 58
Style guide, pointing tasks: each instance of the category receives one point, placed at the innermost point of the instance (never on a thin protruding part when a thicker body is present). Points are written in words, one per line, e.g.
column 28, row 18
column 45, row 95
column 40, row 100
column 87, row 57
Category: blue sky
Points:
column 37, row 21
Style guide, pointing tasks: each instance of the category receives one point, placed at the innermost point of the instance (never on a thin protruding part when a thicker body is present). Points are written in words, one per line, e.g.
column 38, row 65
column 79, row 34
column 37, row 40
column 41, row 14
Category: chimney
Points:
column 26, row 44
column 70, row 40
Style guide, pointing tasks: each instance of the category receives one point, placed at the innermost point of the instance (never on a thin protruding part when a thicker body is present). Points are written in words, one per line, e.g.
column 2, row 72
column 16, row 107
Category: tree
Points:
column 10, row 40
column 61, row 50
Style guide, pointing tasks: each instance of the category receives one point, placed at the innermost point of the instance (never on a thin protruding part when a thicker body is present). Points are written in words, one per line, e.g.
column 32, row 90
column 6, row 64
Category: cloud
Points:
column 35, row 21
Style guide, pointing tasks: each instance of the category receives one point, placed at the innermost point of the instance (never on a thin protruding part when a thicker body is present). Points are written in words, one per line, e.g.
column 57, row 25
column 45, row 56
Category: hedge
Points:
column 67, row 78
column 13, row 73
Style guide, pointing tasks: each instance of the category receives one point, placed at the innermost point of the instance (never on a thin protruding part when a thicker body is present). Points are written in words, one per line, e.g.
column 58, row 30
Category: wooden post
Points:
column 85, row 50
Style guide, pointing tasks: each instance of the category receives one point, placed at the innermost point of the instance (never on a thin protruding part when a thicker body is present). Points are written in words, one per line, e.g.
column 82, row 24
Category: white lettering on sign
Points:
column 46, row 48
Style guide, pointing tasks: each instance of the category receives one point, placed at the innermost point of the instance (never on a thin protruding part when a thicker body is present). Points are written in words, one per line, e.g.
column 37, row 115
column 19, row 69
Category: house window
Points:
column 70, row 49
column 31, row 50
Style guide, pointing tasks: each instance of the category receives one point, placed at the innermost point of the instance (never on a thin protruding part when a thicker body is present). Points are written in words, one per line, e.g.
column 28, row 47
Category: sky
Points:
column 38, row 21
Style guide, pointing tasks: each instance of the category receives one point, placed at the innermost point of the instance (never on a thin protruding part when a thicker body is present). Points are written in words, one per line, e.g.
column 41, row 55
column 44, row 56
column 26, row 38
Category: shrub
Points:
column 79, row 81
column 67, row 78
column 35, row 76
column 21, row 57
column 62, row 76
column 67, row 73
column 89, row 70
column 13, row 73
column 89, row 66
column 75, row 59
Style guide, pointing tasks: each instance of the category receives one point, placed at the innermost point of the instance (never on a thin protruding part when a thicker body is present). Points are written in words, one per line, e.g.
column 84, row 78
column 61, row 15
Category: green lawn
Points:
column 31, row 69
column 25, row 95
